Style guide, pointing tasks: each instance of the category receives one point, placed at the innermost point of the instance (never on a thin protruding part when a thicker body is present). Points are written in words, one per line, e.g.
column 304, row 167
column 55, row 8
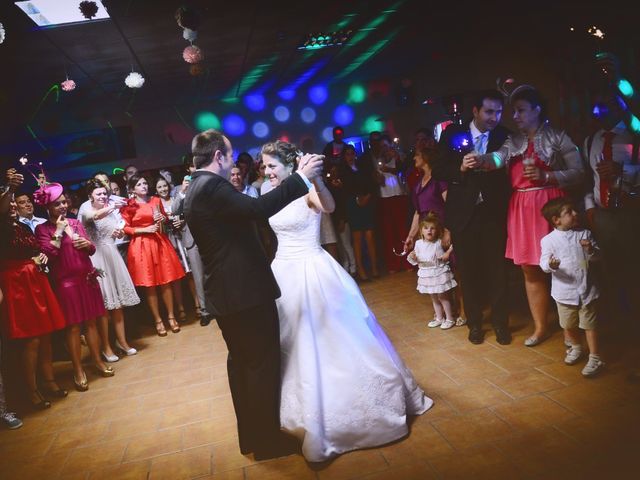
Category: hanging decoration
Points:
column 189, row 35
column 68, row 85
column 196, row 70
column 2, row 33
column 88, row 9
column 502, row 86
column 192, row 54
column 134, row 80
column 187, row 18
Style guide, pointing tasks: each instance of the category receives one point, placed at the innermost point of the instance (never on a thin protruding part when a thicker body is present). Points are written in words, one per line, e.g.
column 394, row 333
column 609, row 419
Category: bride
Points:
column 344, row 387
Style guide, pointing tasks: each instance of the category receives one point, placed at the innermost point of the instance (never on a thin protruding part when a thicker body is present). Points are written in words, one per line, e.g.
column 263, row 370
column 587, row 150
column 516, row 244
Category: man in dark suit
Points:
column 222, row 222
column 475, row 214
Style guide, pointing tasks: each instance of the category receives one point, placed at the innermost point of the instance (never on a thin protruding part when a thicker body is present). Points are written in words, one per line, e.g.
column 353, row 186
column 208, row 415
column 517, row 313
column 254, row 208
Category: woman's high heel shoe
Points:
column 182, row 317
column 175, row 328
column 82, row 385
column 54, row 390
column 106, row 371
column 38, row 401
column 110, row 358
column 128, row 352
column 160, row 329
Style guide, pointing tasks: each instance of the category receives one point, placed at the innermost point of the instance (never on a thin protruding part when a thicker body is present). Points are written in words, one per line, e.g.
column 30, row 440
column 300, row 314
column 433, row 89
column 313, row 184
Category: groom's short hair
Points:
column 204, row 145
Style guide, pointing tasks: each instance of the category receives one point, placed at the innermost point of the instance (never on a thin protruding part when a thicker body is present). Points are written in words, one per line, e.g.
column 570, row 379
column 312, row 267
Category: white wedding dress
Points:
column 344, row 387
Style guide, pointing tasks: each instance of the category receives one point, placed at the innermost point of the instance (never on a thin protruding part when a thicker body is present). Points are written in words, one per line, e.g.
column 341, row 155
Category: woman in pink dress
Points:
column 541, row 162
column 65, row 242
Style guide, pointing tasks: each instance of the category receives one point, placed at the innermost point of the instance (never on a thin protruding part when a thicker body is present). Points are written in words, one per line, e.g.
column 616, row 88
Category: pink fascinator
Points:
column 47, row 193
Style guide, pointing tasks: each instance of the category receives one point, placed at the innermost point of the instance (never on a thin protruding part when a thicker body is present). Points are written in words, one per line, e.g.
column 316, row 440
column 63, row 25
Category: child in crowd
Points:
column 566, row 254
column 434, row 274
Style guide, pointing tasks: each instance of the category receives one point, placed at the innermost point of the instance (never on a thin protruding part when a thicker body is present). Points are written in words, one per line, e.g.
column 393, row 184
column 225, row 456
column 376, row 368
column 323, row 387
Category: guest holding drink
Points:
column 152, row 261
column 64, row 241
column 541, row 161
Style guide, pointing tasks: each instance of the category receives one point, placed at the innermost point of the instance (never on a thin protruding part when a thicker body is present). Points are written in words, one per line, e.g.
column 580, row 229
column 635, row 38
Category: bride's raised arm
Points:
column 320, row 197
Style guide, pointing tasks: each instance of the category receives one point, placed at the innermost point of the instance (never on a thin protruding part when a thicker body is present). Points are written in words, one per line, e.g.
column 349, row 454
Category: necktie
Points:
column 607, row 156
column 481, row 143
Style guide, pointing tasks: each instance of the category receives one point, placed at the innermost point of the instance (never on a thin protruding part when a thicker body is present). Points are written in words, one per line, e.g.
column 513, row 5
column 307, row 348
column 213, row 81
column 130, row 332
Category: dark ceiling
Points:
column 251, row 45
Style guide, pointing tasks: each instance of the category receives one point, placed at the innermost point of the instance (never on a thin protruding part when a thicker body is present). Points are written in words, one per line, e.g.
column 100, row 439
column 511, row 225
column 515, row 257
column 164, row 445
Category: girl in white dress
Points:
column 344, row 387
column 434, row 274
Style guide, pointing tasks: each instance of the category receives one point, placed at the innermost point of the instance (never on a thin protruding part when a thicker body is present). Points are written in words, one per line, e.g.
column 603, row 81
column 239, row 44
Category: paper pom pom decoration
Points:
column 2, row 33
column 189, row 35
column 187, row 18
column 88, row 9
column 192, row 54
column 196, row 70
column 134, row 80
column 68, row 85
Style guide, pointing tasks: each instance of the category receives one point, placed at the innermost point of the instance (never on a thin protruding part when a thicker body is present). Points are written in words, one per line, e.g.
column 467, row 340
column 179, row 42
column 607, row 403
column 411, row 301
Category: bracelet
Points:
column 546, row 178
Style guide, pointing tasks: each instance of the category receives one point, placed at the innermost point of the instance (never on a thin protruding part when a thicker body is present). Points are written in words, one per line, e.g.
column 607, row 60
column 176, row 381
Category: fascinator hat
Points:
column 47, row 193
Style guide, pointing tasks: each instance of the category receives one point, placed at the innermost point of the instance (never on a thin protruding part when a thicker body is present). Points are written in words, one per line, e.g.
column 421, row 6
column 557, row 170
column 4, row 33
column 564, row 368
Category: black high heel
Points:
column 38, row 401
column 54, row 392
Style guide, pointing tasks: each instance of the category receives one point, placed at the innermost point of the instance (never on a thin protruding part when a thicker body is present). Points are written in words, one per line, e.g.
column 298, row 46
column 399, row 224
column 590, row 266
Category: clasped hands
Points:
column 311, row 165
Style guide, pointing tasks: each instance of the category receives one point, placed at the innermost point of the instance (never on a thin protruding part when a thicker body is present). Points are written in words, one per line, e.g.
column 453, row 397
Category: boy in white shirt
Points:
column 566, row 254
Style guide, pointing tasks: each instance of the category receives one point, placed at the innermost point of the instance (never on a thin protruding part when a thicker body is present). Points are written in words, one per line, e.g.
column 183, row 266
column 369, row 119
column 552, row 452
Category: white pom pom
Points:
column 134, row 80
column 189, row 35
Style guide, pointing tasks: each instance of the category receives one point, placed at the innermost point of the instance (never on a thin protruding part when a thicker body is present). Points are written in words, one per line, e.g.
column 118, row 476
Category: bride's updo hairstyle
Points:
column 286, row 153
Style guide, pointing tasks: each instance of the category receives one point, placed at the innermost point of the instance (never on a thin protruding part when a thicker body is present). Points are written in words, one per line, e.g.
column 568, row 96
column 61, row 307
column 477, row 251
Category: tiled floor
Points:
column 500, row 412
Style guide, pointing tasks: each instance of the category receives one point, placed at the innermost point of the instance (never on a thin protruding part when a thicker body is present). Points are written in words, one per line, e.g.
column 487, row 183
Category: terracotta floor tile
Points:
column 532, row 412
column 134, row 425
column 293, row 467
column 522, row 384
column 474, row 396
column 354, row 464
column 192, row 377
column 47, row 466
column 183, row 465
column 127, row 471
column 484, row 462
column 227, row 456
column 586, row 397
column 81, row 435
column 216, row 430
column 28, row 447
column 565, row 374
column 469, row 372
column 153, row 444
column 237, row 474
column 414, row 471
column 95, row 457
column 517, row 360
column 476, row 428
column 422, row 443
column 185, row 413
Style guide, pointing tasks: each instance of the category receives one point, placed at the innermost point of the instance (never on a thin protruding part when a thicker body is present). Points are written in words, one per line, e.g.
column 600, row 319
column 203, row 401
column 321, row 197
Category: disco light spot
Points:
column 308, row 115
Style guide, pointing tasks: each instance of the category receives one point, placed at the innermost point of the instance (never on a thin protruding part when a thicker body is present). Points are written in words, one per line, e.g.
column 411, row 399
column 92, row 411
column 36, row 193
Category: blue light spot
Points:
column 327, row 134
column 318, row 94
column 281, row 113
column 287, row 94
column 260, row 129
column 233, row 125
column 343, row 115
column 254, row 152
column 308, row 115
column 255, row 102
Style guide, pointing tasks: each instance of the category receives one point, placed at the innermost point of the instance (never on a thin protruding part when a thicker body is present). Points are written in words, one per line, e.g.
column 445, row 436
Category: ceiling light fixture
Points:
column 315, row 41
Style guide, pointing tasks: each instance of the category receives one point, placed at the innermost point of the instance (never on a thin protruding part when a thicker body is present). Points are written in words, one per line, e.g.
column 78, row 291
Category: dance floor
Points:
column 500, row 411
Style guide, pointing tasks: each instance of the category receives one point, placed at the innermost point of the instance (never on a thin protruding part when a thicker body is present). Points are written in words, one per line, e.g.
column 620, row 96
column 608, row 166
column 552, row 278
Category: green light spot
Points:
column 207, row 120
column 635, row 124
column 625, row 88
column 373, row 124
column 357, row 94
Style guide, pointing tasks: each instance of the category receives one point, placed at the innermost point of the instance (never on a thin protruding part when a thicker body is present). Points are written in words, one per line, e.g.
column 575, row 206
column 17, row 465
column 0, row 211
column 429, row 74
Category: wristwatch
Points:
column 57, row 236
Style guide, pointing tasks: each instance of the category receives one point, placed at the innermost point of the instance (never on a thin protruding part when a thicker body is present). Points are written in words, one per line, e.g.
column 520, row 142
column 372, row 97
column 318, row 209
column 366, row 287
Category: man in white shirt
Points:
column 612, row 205
column 25, row 212
column 237, row 180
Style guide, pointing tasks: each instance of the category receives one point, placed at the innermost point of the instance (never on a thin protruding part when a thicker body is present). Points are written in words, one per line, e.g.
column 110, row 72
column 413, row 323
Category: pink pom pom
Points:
column 192, row 54
column 68, row 85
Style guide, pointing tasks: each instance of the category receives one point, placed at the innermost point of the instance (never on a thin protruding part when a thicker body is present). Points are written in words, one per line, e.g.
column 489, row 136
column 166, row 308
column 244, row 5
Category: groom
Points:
column 222, row 221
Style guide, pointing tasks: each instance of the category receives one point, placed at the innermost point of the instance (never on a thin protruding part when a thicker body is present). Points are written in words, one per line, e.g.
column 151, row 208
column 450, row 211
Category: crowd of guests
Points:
column 459, row 209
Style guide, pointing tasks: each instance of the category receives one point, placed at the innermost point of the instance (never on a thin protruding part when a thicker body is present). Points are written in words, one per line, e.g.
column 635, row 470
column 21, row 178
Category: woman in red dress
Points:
column 151, row 260
column 541, row 162
column 30, row 311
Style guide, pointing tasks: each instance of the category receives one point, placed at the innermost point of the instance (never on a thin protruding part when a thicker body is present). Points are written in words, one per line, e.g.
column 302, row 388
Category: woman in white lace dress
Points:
column 103, row 225
column 344, row 387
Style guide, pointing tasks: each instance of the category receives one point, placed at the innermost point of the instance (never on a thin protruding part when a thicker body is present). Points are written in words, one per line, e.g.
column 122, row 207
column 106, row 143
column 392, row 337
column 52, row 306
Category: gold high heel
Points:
column 83, row 384
column 175, row 328
column 106, row 372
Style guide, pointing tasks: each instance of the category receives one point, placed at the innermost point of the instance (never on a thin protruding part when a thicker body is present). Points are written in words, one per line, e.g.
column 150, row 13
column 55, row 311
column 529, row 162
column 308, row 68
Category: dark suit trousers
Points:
column 483, row 269
column 253, row 365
